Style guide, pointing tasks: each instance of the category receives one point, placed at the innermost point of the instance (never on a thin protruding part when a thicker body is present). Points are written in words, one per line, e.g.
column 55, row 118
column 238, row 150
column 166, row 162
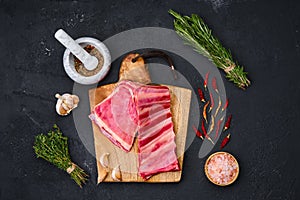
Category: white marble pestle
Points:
column 90, row 62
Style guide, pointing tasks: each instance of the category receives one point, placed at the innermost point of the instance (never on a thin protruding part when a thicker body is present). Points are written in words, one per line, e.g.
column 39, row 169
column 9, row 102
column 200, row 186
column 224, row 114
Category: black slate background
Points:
column 263, row 35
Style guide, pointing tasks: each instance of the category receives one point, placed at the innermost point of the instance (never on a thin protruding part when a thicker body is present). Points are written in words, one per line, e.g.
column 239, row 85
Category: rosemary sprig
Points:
column 198, row 35
column 53, row 147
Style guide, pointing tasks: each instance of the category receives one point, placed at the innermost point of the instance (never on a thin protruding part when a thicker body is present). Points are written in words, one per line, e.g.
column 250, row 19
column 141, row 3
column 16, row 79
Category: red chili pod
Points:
column 206, row 80
column 225, row 141
column 198, row 133
column 201, row 95
column 227, row 123
column 214, row 84
column 225, row 105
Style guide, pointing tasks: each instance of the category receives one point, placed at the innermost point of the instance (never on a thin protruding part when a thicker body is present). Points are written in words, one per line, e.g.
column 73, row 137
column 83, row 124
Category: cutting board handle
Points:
column 133, row 66
column 157, row 53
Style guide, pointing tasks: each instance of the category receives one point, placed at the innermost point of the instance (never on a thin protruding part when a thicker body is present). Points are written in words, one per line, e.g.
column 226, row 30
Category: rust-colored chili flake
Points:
column 212, row 125
column 225, row 141
column 201, row 95
column 225, row 105
column 205, row 133
column 206, row 80
column 198, row 133
column 212, row 102
column 218, row 127
column 227, row 123
column 77, row 62
column 219, row 106
column 204, row 111
column 214, row 84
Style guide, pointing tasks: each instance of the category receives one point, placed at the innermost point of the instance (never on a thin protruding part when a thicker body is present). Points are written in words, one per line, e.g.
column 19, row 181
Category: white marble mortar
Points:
column 68, row 62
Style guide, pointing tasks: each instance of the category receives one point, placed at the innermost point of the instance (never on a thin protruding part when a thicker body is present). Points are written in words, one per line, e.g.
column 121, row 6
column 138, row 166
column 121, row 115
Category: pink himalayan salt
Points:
column 222, row 168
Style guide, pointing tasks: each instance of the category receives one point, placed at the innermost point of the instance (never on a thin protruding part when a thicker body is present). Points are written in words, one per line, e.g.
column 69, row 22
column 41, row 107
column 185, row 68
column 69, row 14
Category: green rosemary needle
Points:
column 53, row 147
column 199, row 36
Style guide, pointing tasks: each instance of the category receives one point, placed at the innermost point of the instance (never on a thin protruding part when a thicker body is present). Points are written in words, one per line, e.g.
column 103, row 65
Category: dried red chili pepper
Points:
column 218, row 127
column 212, row 102
column 228, row 122
column 198, row 133
column 219, row 106
column 225, row 141
column 206, row 80
column 201, row 95
column 205, row 133
column 225, row 105
column 204, row 111
column 214, row 84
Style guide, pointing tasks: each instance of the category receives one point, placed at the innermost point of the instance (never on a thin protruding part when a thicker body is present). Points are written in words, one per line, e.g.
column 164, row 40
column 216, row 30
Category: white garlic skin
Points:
column 104, row 160
column 116, row 174
column 66, row 103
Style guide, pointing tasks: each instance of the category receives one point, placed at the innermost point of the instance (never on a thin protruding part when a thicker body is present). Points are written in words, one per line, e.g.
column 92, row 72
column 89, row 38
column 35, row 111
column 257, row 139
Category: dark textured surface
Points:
column 263, row 35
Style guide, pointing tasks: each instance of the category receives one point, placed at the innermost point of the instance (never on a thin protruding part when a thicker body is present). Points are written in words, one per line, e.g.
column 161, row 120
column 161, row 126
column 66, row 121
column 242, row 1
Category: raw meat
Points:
column 116, row 116
column 156, row 138
column 134, row 107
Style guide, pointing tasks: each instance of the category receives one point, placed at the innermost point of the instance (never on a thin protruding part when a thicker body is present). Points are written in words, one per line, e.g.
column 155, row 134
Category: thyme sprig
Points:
column 199, row 36
column 53, row 147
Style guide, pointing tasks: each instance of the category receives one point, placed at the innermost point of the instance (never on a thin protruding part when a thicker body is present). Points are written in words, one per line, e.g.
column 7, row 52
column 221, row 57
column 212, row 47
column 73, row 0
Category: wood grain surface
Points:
column 180, row 105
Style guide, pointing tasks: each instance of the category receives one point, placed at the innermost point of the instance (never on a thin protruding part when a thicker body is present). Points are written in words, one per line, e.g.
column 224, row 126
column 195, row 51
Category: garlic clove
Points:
column 104, row 160
column 116, row 174
column 65, row 106
column 62, row 111
column 59, row 108
column 68, row 100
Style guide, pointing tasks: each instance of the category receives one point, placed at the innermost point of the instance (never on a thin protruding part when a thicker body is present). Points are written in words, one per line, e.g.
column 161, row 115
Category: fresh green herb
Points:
column 53, row 147
column 197, row 34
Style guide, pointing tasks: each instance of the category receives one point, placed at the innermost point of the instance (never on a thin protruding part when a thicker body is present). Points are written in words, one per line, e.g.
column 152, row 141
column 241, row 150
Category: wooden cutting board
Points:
column 180, row 106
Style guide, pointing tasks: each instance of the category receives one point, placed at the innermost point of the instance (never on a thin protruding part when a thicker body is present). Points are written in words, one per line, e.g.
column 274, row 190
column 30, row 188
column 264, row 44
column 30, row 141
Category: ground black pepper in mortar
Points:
column 80, row 67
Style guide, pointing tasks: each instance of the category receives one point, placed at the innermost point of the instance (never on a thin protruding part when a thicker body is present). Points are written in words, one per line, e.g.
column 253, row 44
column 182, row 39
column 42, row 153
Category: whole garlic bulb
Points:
column 66, row 103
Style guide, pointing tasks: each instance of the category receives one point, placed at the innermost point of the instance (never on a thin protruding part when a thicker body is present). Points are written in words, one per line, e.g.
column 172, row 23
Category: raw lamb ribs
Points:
column 156, row 138
column 134, row 107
